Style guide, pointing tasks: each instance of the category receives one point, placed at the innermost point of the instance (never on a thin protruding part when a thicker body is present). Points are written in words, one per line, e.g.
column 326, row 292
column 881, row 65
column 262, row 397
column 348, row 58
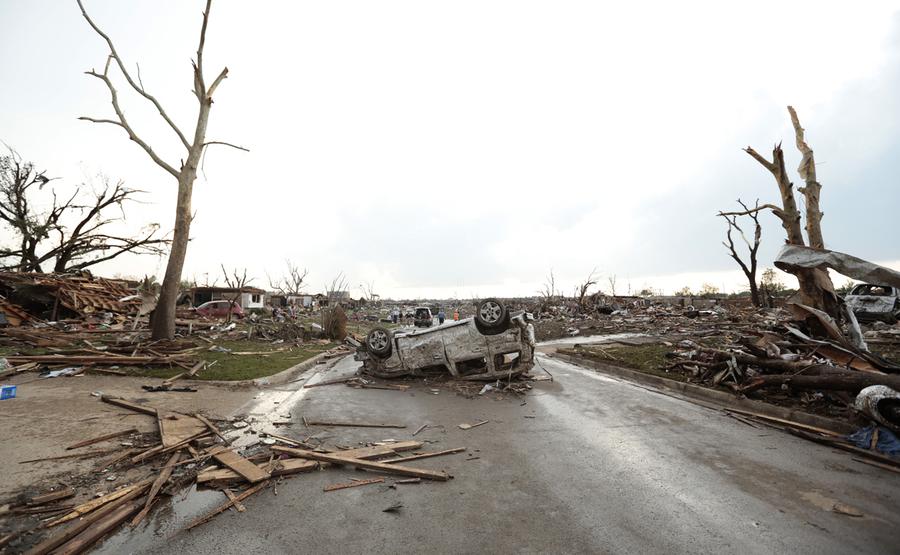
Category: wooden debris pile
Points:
column 192, row 449
column 61, row 296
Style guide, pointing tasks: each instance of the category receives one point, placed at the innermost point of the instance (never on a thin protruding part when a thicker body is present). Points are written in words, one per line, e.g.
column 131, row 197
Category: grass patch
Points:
column 649, row 358
column 231, row 367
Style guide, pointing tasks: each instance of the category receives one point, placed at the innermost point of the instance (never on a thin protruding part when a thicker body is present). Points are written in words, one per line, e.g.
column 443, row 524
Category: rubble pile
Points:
column 188, row 450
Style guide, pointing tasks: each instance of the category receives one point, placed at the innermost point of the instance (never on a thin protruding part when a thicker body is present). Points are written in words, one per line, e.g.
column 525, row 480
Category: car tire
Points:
column 379, row 341
column 491, row 317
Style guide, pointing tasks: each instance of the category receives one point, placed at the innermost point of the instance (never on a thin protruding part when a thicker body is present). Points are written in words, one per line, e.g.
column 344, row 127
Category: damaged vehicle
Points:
column 491, row 345
column 874, row 302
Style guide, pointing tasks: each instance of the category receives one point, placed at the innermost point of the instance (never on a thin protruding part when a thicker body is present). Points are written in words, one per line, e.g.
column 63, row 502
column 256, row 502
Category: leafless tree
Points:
column 748, row 267
column 369, row 293
column 816, row 288
column 291, row 283
column 612, row 284
column 334, row 319
column 549, row 291
column 582, row 288
column 74, row 233
column 185, row 173
column 235, row 280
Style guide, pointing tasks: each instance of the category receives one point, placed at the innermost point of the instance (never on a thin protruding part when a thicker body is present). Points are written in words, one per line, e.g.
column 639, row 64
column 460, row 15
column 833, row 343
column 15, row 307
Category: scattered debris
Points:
column 470, row 426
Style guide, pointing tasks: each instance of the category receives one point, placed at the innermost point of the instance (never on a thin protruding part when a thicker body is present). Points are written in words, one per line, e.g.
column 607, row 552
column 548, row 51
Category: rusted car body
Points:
column 469, row 349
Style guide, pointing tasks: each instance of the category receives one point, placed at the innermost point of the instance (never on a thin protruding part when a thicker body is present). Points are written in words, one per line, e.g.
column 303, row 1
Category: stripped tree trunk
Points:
column 816, row 288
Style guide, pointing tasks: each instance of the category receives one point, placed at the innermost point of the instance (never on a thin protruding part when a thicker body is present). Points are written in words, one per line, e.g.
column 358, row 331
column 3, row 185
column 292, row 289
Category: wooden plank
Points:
column 77, row 527
column 212, row 427
column 224, row 507
column 175, row 427
column 62, row 493
column 86, row 455
column 131, row 491
column 783, row 421
column 353, row 424
column 234, row 500
column 284, row 467
column 426, row 455
column 372, row 452
column 87, row 442
column 242, row 466
column 101, row 527
column 163, row 477
column 128, row 405
column 353, row 484
column 368, row 465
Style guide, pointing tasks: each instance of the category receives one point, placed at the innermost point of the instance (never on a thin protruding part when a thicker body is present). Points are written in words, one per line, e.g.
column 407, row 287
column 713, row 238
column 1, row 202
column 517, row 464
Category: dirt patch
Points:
column 48, row 415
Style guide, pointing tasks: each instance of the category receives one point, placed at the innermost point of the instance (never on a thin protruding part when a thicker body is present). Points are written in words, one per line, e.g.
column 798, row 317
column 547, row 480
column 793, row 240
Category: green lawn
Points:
column 649, row 358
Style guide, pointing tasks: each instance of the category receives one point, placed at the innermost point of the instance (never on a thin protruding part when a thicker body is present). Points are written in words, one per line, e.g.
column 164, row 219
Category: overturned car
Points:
column 493, row 344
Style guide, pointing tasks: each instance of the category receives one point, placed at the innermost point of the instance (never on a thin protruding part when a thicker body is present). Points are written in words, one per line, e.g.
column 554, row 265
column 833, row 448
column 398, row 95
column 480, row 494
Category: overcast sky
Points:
column 466, row 148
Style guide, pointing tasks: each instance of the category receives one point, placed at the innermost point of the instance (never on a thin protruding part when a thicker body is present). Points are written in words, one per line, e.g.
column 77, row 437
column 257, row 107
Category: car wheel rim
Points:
column 490, row 312
column 378, row 340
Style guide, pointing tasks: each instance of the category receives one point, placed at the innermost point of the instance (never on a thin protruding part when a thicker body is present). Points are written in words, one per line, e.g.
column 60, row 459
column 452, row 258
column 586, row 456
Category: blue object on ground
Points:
column 888, row 443
column 7, row 392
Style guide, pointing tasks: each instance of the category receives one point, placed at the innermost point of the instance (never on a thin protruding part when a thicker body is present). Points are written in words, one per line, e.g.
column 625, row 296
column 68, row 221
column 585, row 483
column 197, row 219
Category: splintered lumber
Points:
column 163, row 477
column 130, row 492
column 77, row 527
column 128, row 405
column 224, row 507
column 100, row 528
column 844, row 381
column 425, row 455
column 159, row 449
column 330, row 382
column 353, row 424
column 281, row 468
column 372, row 452
column 336, row 458
column 62, row 493
column 242, row 466
column 87, row 455
column 353, row 484
column 790, row 423
column 234, row 500
column 87, row 442
column 211, row 426
column 174, row 427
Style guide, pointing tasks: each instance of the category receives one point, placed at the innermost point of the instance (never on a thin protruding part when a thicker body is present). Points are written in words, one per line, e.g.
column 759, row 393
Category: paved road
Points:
column 586, row 464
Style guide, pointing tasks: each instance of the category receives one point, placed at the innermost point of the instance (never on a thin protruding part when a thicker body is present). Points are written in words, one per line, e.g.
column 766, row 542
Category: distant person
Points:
column 441, row 316
column 456, row 315
column 395, row 315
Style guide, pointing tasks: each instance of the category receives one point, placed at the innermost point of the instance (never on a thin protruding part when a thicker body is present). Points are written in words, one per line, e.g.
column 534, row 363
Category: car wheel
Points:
column 492, row 317
column 378, row 342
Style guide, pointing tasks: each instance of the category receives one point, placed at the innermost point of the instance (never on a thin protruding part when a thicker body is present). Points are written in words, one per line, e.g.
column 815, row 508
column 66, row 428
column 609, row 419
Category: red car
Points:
column 219, row 309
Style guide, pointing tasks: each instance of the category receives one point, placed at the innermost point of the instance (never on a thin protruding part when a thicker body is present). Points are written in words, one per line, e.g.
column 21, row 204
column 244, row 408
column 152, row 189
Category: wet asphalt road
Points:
column 585, row 464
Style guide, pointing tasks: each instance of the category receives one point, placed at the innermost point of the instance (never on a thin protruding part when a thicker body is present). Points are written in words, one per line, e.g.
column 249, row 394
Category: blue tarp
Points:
column 888, row 443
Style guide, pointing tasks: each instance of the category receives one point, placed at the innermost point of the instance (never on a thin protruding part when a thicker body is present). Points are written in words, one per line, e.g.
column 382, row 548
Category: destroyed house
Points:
column 26, row 296
column 247, row 297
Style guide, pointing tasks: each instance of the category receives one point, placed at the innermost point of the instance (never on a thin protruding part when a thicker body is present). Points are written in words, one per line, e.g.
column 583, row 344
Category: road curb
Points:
column 275, row 379
column 718, row 398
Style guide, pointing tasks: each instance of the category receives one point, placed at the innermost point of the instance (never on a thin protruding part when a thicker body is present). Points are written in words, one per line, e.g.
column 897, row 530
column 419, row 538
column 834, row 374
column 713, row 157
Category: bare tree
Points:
column 292, row 281
column 816, row 288
column 749, row 267
column 583, row 287
column 612, row 284
column 369, row 293
column 334, row 319
column 72, row 234
column 185, row 174
column 549, row 291
column 237, row 281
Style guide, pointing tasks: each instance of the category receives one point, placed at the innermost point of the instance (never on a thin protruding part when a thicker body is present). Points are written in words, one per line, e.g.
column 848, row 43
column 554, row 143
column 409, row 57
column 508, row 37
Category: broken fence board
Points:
column 353, row 424
column 113, row 435
column 62, row 493
column 356, row 483
column 242, row 466
column 224, row 507
column 336, row 458
column 128, row 405
column 100, row 528
column 426, row 455
column 284, row 467
column 130, row 492
column 163, row 477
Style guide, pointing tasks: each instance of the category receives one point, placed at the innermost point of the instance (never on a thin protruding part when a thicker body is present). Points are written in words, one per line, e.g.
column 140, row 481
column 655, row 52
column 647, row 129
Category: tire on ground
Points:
column 491, row 317
column 378, row 342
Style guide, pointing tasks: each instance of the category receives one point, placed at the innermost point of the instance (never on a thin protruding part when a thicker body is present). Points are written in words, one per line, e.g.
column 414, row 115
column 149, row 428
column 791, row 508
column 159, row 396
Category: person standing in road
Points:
column 441, row 316
column 456, row 315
